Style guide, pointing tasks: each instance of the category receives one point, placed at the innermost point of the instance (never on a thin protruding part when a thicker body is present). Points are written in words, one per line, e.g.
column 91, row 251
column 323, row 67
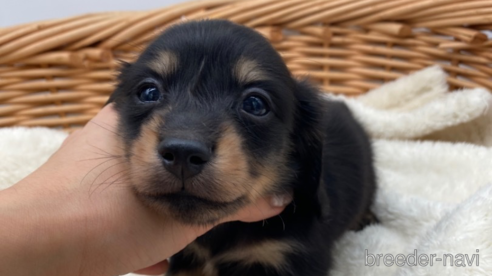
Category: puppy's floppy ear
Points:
column 347, row 176
column 124, row 67
column 323, row 200
column 308, row 144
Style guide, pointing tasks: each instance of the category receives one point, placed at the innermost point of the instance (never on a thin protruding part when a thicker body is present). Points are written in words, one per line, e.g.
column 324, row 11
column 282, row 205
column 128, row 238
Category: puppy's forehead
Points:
column 244, row 69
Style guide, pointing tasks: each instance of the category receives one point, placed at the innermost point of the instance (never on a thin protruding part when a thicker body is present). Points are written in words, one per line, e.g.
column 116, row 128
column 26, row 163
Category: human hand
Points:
column 87, row 206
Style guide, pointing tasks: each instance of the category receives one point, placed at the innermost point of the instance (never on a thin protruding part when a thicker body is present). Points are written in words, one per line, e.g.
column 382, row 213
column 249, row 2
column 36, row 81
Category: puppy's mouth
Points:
column 191, row 209
column 185, row 197
column 190, row 180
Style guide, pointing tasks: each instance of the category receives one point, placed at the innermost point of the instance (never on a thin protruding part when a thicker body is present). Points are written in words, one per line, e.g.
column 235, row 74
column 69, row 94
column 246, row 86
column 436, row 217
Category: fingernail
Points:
column 281, row 200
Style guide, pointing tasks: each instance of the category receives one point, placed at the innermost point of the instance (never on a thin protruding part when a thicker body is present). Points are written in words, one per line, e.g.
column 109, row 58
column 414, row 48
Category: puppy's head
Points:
column 207, row 116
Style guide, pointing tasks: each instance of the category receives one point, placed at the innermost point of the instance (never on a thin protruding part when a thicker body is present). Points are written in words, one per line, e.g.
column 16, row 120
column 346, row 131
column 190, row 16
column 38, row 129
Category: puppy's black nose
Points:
column 184, row 158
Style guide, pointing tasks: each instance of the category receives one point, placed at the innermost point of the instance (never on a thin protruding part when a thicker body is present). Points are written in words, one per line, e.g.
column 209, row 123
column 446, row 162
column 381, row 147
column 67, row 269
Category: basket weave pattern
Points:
column 59, row 73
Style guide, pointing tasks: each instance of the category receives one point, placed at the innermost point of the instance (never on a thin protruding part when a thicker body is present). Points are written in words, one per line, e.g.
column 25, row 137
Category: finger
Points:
column 157, row 269
column 263, row 208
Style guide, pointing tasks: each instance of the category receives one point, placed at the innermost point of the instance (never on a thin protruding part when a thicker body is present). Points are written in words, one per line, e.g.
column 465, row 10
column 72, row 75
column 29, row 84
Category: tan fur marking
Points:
column 143, row 150
column 263, row 184
column 230, row 165
column 209, row 269
column 145, row 165
column 165, row 63
column 203, row 255
column 271, row 253
column 197, row 251
column 248, row 71
column 232, row 169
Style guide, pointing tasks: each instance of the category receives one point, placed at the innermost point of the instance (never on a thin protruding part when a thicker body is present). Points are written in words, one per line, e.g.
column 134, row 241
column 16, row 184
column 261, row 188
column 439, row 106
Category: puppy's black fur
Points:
column 204, row 72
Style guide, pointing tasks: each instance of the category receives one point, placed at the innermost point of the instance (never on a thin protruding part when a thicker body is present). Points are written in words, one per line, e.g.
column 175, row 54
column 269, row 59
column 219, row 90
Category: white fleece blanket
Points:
column 434, row 168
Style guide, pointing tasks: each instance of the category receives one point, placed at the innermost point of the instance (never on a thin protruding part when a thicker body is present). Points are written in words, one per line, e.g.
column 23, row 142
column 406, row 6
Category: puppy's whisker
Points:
column 93, row 169
column 101, row 150
column 101, row 173
column 101, row 158
column 124, row 179
column 115, row 131
column 123, row 175
column 103, row 155
column 283, row 222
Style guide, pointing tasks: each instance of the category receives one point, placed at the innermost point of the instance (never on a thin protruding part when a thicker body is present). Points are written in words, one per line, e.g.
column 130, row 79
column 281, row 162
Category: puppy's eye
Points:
column 149, row 94
column 256, row 106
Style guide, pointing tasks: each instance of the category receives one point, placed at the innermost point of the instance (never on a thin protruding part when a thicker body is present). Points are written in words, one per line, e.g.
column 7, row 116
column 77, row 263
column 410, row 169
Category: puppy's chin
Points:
column 190, row 209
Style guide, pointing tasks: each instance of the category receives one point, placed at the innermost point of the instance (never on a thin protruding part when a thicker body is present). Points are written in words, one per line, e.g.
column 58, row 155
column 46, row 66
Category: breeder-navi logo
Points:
column 458, row 260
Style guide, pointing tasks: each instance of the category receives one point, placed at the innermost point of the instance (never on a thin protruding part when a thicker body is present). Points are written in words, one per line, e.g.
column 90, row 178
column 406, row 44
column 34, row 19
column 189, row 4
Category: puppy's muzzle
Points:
column 184, row 158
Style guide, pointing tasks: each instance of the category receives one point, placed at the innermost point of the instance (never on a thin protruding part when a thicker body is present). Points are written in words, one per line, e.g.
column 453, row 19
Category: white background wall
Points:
column 13, row 12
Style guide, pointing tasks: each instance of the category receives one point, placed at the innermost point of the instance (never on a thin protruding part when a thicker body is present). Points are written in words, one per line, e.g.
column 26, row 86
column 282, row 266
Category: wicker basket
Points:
column 59, row 73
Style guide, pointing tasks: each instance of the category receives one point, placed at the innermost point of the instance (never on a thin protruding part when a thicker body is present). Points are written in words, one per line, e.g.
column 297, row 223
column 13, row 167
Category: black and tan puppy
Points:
column 212, row 119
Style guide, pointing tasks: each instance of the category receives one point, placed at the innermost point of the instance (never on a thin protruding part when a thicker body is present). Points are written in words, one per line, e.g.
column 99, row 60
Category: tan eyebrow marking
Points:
column 164, row 63
column 247, row 70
